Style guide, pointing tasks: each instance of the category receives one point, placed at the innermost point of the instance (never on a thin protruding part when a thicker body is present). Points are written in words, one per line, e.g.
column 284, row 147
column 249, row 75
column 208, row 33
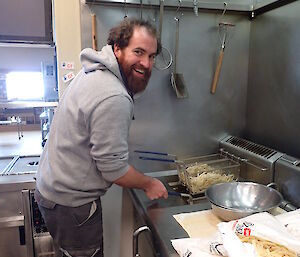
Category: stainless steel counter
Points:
column 158, row 215
column 15, row 183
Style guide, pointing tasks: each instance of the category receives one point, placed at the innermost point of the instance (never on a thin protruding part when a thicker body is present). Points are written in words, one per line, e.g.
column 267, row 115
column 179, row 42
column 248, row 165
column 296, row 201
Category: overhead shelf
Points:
column 252, row 6
column 216, row 4
column 26, row 104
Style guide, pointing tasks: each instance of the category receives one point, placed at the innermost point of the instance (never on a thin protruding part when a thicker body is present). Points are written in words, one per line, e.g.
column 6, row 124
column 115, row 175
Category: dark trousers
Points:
column 76, row 231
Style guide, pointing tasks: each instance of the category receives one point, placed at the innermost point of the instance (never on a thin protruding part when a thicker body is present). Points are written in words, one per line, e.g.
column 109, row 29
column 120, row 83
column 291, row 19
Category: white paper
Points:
column 262, row 225
column 283, row 229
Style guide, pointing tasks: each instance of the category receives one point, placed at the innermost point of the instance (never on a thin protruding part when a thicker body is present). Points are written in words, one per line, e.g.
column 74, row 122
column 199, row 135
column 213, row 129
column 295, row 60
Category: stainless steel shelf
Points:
column 25, row 45
column 26, row 104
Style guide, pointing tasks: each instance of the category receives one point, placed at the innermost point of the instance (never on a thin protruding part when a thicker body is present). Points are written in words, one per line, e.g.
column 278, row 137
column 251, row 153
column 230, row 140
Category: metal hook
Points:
column 195, row 3
column 141, row 9
column 177, row 10
column 125, row 9
column 222, row 38
column 224, row 10
column 153, row 18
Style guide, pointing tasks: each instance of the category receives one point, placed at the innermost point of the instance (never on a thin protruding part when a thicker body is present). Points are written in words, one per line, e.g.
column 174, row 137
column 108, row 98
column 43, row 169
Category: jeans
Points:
column 76, row 231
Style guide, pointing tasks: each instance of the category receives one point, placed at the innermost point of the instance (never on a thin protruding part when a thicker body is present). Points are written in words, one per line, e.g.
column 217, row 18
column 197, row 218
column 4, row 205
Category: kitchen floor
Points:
column 29, row 144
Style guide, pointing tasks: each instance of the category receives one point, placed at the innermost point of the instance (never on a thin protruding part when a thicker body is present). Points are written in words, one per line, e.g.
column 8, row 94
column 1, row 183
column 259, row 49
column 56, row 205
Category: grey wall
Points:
column 22, row 18
column 273, row 108
column 24, row 58
column 192, row 126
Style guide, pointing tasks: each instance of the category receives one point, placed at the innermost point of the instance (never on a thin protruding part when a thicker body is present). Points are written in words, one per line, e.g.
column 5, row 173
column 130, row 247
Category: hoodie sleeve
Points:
column 109, row 129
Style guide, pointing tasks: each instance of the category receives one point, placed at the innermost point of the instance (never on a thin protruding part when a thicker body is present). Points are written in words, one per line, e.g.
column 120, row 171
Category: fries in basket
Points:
column 200, row 176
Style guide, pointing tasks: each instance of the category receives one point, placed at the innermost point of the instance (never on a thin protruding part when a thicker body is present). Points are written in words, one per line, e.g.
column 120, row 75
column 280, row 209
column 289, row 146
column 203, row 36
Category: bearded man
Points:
column 87, row 147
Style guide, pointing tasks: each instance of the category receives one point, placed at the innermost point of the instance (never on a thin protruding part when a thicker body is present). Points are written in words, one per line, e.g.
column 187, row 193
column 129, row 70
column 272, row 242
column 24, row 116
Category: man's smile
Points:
column 140, row 71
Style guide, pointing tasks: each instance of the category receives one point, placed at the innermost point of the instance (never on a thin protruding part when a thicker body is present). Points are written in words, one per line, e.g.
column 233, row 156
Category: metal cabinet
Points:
column 142, row 240
column 287, row 177
column 22, row 229
column 136, row 238
column 15, row 228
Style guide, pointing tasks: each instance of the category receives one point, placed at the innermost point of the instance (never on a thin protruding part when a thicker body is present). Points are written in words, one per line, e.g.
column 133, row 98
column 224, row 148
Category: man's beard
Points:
column 135, row 83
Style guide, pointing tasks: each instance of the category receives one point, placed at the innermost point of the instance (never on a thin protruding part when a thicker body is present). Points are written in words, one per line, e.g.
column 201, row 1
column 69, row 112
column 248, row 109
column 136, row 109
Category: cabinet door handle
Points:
column 13, row 221
column 136, row 234
column 293, row 162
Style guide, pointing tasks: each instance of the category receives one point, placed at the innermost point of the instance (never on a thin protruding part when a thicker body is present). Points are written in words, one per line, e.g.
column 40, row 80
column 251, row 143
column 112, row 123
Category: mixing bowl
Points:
column 235, row 200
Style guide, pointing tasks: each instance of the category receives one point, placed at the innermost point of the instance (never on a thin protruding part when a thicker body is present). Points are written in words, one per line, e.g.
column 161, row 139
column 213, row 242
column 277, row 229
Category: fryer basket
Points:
column 199, row 176
column 208, row 169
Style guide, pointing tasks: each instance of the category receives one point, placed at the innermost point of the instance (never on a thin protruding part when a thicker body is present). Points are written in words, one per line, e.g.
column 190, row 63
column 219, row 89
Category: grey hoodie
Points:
column 87, row 146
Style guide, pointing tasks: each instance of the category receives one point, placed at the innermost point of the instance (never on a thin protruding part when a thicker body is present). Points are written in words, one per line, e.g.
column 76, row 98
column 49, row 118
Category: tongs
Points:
column 173, row 156
column 173, row 193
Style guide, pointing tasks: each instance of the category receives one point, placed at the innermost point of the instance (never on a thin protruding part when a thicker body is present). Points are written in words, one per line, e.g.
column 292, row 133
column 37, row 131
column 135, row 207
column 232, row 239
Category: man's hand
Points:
column 134, row 179
column 156, row 189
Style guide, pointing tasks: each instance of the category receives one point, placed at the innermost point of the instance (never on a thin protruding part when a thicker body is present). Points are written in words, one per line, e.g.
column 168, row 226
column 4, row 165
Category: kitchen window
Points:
column 24, row 86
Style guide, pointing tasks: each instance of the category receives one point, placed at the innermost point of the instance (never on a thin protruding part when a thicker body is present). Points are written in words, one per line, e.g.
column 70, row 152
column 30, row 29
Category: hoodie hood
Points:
column 105, row 59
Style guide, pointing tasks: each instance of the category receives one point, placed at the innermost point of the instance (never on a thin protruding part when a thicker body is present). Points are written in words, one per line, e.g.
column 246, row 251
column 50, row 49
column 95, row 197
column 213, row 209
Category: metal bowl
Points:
column 237, row 200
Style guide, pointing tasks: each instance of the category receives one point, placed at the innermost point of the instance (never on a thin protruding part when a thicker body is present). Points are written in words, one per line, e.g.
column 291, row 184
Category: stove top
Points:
column 19, row 165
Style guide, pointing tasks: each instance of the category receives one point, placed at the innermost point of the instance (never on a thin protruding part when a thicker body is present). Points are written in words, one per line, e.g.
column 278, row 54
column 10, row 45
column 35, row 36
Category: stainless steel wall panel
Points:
column 273, row 107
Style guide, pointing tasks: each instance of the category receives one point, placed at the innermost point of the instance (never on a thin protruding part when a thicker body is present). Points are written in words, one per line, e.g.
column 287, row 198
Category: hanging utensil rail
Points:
column 171, row 4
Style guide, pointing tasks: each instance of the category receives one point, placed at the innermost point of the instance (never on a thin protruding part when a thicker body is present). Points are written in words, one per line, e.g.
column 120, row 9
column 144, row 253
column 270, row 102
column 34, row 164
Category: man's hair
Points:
column 121, row 34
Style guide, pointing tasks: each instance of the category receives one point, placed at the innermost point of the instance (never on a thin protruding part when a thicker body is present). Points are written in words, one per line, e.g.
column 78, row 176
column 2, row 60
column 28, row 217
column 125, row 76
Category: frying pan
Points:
column 237, row 200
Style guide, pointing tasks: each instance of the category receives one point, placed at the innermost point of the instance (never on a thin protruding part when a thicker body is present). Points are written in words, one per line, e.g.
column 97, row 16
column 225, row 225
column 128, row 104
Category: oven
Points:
column 22, row 229
column 15, row 228
column 37, row 230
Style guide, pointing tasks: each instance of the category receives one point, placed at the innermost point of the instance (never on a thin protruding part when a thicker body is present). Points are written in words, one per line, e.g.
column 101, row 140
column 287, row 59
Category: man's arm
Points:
column 133, row 179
